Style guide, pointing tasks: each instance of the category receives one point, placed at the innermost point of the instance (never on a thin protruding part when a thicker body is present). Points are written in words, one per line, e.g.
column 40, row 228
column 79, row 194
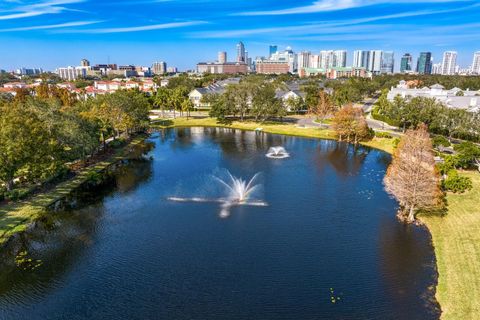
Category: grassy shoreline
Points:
column 17, row 216
column 287, row 129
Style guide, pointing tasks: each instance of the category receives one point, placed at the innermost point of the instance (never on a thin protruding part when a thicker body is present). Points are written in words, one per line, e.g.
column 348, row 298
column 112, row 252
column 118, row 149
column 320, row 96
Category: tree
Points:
column 265, row 103
column 349, row 124
column 295, row 104
column 162, row 99
column 187, row 106
column 412, row 177
column 324, row 106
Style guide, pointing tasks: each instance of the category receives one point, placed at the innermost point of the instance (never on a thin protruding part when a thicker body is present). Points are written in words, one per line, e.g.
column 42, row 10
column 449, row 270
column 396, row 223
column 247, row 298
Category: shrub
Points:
column 117, row 143
column 441, row 141
column 456, row 183
column 395, row 142
column 385, row 135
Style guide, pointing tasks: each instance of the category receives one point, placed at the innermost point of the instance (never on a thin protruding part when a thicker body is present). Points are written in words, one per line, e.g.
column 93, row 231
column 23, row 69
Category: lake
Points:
column 326, row 246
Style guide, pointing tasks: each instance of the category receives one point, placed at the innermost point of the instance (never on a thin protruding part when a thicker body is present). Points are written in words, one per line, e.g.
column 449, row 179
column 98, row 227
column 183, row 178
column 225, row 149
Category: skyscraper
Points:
column 339, row 58
column 388, row 62
column 476, row 63
column 361, row 58
column 222, row 57
column 303, row 59
column 326, row 59
column 375, row 61
column 406, row 63
column 159, row 67
column 273, row 50
column 449, row 62
column 424, row 63
column 241, row 52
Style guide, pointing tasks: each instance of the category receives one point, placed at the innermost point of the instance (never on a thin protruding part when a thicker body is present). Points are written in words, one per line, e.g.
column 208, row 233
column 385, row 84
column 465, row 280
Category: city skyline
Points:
column 53, row 33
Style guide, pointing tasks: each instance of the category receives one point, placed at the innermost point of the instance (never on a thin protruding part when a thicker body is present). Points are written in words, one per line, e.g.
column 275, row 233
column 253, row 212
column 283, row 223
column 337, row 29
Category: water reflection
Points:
column 347, row 160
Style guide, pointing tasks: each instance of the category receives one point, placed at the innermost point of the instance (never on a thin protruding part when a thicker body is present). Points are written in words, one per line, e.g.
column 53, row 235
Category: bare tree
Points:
column 324, row 107
column 412, row 178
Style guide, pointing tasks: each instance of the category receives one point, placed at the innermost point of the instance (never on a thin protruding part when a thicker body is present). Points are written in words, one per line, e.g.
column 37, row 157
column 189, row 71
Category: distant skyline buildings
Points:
column 424, row 63
column 241, row 57
column 406, row 63
column 476, row 63
column 222, row 57
column 449, row 63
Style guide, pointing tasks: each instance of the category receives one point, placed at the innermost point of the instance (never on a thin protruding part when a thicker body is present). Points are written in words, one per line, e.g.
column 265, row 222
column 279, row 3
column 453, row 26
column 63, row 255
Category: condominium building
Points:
column 406, row 63
column 314, row 61
column 222, row 57
column 339, row 58
column 476, row 63
column 72, row 73
column 375, row 61
column 449, row 62
column 287, row 56
column 159, row 67
column 436, row 68
column 424, row 63
column 303, row 59
column 361, row 59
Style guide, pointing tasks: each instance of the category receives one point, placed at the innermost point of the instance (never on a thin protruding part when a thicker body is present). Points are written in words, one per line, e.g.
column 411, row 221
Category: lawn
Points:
column 271, row 127
column 456, row 238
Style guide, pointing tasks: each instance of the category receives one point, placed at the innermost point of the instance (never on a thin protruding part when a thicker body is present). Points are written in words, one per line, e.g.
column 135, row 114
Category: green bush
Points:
column 456, row 183
column 385, row 135
column 117, row 143
column 395, row 142
column 441, row 141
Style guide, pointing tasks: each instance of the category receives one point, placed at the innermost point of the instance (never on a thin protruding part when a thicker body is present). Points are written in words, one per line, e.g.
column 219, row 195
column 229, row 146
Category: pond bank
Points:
column 17, row 217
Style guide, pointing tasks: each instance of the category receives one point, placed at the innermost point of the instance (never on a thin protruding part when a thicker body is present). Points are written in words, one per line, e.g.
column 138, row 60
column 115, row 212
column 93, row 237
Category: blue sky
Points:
column 52, row 33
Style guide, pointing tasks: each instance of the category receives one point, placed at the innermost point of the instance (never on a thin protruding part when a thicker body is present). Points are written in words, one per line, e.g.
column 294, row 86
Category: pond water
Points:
column 327, row 245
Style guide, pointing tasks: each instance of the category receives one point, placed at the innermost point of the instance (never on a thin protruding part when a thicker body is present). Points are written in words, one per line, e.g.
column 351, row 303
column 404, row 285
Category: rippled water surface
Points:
column 327, row 246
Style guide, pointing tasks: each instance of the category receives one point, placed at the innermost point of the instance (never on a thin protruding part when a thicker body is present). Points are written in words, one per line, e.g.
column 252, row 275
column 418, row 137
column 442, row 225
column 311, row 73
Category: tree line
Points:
column 40, row 134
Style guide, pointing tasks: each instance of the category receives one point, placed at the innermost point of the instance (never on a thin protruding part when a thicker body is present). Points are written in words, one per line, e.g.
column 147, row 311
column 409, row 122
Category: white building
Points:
column 287, row 56
column 303, row 59
column 314, row 61
column 476, row 63
column 361, row 59
column 375, row 61
column 437, row 68
column 453, row 98
column 159, row 67
column 340, row 58
column 72, row 73
column 449, row 62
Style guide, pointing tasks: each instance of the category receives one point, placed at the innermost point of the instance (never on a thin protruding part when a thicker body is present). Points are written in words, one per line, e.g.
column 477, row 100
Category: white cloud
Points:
column 52, row 26
column 137, row 28
column 336, row 5
column 36, row 9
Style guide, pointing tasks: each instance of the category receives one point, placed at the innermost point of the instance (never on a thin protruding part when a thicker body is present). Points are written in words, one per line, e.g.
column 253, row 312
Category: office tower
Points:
column 361, row 59
column 241, row 52
column 476, row 63
column 406, row 63
column 449, row 62
column 424, row 63
column 339, row 58
column 85, row 63
column 159, row 67
column 272, row 51
column 388, row 62
column 436, row 68
column 375, row 61
column 222, row 57
column 303, row 59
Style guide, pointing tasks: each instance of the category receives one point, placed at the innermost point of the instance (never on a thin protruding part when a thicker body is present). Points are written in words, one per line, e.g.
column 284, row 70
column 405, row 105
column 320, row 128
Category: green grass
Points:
column 272, row 127
column 16, row 217
column 456, row 238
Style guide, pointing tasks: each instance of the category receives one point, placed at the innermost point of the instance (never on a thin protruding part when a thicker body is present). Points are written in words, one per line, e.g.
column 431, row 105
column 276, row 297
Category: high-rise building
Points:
column 326, row 59
column 375, row 61
column 361, row 59
column 436, row 68
column 287, row 56
column 406, row 63
column 476, row 63
column 159, row 67
column 424, row 63
column 303, row 59
column 388, row 62
column 85, row 63
column 339, row 58
column 449, row 62
column 241, row 52
column 273, row 49
column 314, row 61
column 72, row 73
column 222, row 57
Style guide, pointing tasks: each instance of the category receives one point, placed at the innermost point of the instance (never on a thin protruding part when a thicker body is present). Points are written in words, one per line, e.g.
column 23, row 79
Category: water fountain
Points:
column 239, row 193
column 277, row 153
